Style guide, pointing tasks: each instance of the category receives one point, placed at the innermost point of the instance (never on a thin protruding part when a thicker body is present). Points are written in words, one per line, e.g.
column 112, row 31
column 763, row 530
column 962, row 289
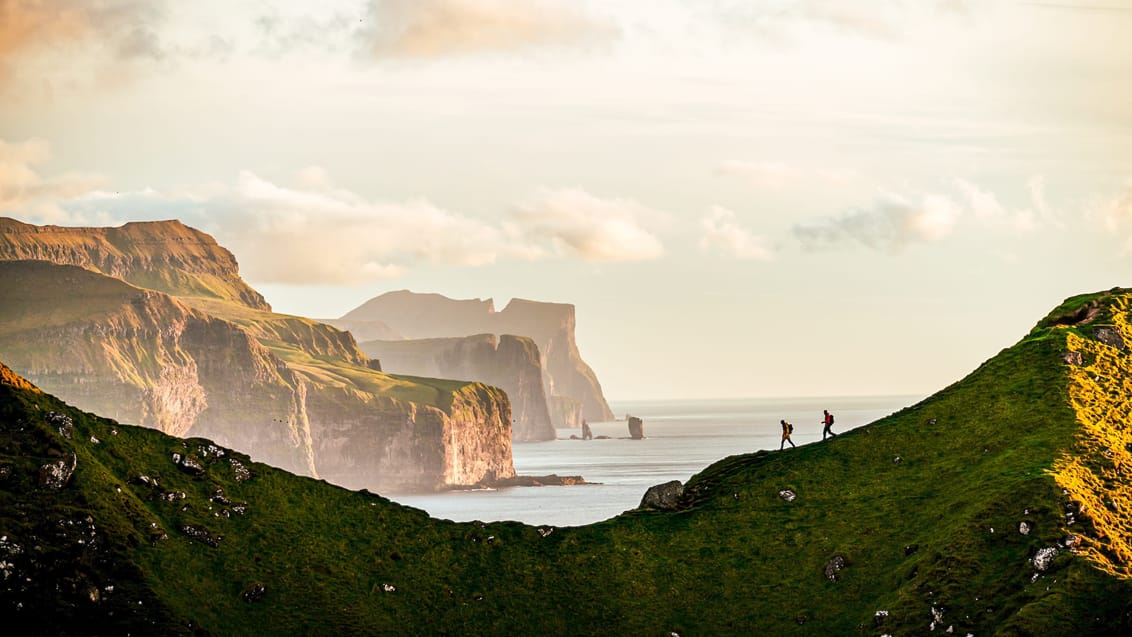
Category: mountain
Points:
column 167, row 256
column 572, row 388
column 291, row 391
column 996, row 506
column 509, row 362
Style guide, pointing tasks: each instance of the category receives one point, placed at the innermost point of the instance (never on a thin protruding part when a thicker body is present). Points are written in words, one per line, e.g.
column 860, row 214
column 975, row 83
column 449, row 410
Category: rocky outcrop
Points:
column 308, row 403
column 550, row 325
column 636, row 428
column 665, row 497
column 159, row 255
column 509, row 362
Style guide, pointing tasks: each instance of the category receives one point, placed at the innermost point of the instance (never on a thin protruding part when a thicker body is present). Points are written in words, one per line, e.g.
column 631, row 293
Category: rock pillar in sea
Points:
column 636, row 427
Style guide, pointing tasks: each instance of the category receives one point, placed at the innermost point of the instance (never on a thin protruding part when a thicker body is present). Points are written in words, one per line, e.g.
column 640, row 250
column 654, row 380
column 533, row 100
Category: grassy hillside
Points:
column 960, row 514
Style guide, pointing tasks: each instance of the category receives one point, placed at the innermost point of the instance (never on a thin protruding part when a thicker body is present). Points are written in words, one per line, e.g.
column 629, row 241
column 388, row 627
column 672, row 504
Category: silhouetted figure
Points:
column 586, row 433
column 787, row 429
column 828, row 422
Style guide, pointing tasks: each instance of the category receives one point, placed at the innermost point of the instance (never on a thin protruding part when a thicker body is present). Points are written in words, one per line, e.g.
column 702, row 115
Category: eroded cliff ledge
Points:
column 509, row 362
column 567, row 378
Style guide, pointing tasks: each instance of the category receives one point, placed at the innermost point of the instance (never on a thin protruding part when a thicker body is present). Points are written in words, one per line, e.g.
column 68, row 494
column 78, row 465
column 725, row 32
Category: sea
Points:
column 682, row 437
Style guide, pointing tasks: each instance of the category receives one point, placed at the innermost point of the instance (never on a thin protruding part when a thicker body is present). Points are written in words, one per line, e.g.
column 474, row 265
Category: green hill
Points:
column 998, row 506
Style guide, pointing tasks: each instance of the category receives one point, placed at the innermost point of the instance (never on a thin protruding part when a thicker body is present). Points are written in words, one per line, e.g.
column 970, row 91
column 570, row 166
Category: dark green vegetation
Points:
column 923, row 508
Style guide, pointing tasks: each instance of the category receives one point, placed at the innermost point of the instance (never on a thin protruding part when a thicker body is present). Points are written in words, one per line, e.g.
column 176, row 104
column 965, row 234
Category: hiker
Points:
column 787, row 429
column 586, row 433
column 828, row 422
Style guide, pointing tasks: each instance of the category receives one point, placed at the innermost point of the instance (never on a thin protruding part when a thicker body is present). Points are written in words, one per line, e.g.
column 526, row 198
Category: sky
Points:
column 741, row 198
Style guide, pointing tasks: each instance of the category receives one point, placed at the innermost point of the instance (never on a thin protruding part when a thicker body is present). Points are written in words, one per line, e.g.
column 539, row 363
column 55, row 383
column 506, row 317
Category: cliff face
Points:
column 511, row 363
column 159, row 255
column 550, row 325
column 284, row 389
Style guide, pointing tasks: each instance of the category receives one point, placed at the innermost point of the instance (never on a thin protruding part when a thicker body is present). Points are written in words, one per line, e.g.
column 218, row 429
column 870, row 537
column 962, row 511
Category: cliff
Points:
column 550, row 325
column 167, row 256
column 285, row 389
column 997, row 506
column 511, row 363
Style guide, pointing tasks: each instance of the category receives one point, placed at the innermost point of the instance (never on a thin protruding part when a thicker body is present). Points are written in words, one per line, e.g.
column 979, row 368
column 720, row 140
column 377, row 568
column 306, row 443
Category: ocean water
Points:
column 682, row 438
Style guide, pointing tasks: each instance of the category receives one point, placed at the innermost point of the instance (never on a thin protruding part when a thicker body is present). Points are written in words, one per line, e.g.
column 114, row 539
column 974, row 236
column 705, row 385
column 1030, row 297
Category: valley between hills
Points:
column 997, row 506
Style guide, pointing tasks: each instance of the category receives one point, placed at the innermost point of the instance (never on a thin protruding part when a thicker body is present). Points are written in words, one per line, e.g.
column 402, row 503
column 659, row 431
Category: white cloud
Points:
column 1117, row 210
column 438, row 28
column 579, row 224
column 722, row 234
column 23, row 189
column 891, row 223
column 316, row 232
column 987, row 209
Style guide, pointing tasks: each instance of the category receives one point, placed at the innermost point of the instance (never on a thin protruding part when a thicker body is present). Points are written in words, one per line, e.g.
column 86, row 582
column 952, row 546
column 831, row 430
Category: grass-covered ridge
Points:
column 945, row 516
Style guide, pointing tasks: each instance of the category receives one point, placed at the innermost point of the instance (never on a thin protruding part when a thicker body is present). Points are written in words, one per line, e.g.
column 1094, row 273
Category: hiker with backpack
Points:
column 787, row 429
column 828, row 422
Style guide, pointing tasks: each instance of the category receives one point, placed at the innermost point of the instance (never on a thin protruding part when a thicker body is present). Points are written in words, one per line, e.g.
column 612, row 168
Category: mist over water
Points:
column 682, row 438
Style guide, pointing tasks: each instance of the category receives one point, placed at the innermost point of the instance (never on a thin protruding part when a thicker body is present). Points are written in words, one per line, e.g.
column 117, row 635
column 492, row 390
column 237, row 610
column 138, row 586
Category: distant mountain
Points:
column 998, row 506
column 213, row 362
column 572, row 388
column 509, row 362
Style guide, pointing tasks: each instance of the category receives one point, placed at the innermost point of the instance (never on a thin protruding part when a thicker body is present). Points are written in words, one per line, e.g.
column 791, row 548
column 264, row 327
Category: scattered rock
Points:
column 1024, row 527
column 54, row 475
column 665, row 497
column 910, row 549
column 201, row 534
column 787, row 494
column 94, row 441
column 897, row 460
column 937, row 617
column 253, row 592
column 62, row 423
column 1071, row 541
column 1044, row 558
column 544, row 531
column 389, row 588
column 240, row 472
column 5, row 471
column 189, row 465
column 1073, row 358
column 932, row 421
column 833, row 567
column 1109, row 336
column 636, row 428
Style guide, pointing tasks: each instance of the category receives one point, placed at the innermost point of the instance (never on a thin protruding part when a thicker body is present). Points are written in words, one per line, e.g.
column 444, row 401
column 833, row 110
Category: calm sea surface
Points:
column 682, row 437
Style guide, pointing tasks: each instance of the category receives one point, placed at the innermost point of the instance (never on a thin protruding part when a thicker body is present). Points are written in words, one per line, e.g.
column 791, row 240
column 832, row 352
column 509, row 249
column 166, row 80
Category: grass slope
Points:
column 924, row 508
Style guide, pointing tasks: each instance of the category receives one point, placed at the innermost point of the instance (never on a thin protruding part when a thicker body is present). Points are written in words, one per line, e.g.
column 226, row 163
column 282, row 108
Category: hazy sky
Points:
column 742, row 198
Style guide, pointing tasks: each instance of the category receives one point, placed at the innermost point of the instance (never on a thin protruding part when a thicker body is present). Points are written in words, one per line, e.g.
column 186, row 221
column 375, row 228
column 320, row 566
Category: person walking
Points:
column 787, row 429
column 827, row 420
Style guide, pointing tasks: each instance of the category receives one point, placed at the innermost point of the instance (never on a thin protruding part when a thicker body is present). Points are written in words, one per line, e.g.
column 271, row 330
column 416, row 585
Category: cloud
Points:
column 721, row 233
column 891, row 223
column 439, row 28
column 321, row 234
column 1116, row 211
column 579, row 224
column 34, row 25
column 24, row 190
column 315, row 232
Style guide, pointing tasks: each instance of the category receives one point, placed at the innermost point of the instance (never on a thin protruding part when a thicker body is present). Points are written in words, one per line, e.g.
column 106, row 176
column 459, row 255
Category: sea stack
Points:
column 636, row 427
